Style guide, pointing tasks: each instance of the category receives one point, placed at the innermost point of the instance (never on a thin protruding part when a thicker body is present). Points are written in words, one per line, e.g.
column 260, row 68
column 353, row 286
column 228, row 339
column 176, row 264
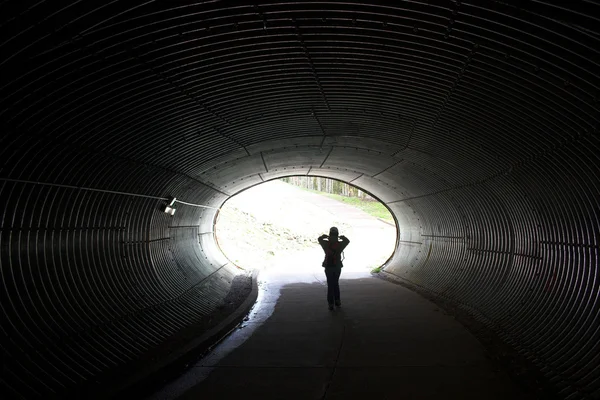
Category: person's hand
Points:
column 342, row 237
column 323, row 236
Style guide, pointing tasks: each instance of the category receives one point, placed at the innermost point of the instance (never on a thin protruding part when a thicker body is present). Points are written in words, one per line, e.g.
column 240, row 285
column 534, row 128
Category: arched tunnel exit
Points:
column 276, row 224
column 476, row 123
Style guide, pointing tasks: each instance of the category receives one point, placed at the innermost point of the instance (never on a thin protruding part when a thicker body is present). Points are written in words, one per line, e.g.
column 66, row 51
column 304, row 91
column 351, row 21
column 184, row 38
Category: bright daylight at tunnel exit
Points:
column 276, row 225
column 310, row 200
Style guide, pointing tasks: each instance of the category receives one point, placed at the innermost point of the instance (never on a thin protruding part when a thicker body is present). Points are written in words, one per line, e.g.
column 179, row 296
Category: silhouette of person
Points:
column 333, row 245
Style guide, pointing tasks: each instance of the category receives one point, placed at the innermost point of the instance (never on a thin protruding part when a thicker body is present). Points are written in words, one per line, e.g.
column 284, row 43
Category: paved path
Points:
column 386, row 342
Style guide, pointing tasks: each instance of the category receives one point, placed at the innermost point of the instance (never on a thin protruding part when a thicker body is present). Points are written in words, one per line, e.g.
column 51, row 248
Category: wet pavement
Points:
column 385, row 342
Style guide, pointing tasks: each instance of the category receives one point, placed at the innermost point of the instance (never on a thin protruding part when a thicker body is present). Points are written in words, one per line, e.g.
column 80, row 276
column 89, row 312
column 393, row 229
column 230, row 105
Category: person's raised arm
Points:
column 322, row 240
column 345, row 241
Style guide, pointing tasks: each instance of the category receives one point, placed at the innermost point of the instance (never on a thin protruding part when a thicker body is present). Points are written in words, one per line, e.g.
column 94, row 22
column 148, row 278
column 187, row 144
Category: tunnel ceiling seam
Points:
column 406, row 146
column 312, row 67
column 388, row 168
column 193, row 98
column 263, row 160
column 326, row 157
column 459, row 75
column 361, row 175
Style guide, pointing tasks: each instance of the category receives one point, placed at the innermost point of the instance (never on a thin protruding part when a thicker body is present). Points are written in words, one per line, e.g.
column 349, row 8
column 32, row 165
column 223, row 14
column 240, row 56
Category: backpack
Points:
column 333, row 257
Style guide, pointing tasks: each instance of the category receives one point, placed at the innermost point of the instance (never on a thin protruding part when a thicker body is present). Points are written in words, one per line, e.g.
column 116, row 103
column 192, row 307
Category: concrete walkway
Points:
column 386, row 342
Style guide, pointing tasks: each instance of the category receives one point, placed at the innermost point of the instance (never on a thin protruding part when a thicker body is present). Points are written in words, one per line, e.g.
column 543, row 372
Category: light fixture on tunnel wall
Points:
column 169, row 208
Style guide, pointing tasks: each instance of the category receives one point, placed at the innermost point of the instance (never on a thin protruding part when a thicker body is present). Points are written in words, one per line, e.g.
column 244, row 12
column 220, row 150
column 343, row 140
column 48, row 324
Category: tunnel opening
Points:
column 276, row 224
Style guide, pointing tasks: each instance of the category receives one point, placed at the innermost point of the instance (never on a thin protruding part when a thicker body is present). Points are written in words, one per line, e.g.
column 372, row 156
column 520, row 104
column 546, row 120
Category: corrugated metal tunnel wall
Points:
column 475, row 121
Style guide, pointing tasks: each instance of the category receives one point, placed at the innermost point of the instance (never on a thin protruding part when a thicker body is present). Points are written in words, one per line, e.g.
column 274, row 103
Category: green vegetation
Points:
column 376, row 270
column 341, row 191
column 372, row 207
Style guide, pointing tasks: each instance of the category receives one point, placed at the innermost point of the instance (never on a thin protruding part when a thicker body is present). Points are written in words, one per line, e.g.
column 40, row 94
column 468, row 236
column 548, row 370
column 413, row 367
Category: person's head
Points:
column 333, row 233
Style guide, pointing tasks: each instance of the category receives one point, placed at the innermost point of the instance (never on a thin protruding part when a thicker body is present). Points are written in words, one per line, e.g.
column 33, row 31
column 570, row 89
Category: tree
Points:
column 327, row 185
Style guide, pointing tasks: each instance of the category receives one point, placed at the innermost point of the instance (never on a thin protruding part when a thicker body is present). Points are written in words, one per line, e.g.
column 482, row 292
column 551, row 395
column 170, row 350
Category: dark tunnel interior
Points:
column 476, row 122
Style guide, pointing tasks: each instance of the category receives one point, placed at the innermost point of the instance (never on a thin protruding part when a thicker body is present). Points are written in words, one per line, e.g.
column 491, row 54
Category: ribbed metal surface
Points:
column 476, row 122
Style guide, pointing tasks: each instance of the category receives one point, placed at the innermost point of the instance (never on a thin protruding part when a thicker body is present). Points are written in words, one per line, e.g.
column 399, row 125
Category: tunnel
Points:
column 475, row 122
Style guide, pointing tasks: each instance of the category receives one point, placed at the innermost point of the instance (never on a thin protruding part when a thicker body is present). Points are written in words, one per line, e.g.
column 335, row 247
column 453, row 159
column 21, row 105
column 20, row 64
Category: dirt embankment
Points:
column 251, row 242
